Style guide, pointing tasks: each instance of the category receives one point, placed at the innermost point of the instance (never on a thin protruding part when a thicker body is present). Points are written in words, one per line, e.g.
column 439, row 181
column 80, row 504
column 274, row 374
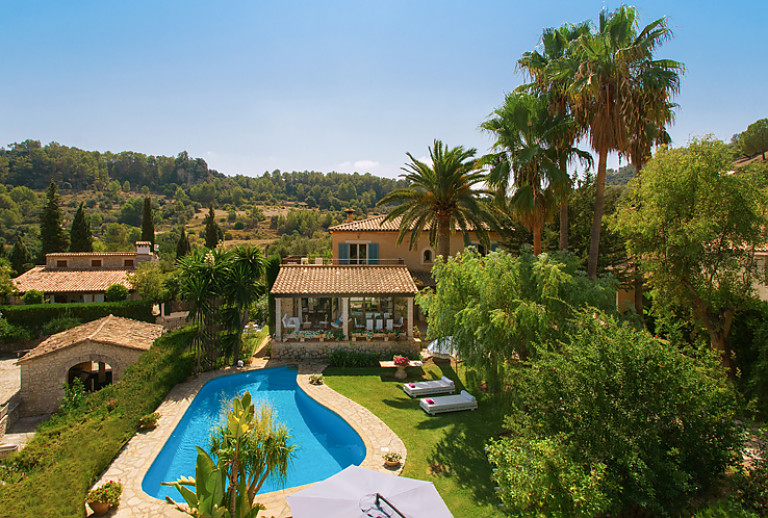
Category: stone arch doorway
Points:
column 94, row 375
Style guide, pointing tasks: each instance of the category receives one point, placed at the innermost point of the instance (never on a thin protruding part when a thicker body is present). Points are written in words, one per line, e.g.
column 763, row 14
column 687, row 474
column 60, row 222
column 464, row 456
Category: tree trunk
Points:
column 564, row 215
column 536, row 239
column 597, row 220
column 638, row 285
column 443, row 235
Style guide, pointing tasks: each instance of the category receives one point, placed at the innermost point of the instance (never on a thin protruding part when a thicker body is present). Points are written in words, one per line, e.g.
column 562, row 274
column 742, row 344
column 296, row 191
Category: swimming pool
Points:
column 325, row 443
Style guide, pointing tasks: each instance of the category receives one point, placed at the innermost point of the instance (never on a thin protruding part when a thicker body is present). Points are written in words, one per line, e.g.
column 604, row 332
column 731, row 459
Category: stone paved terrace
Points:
column 132, row 463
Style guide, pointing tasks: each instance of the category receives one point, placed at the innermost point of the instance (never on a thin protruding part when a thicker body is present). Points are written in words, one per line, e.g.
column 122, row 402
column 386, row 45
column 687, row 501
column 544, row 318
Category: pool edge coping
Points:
column 137, row 455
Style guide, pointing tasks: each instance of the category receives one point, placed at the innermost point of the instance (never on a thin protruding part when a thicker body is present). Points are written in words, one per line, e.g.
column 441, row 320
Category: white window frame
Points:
column 357, row 243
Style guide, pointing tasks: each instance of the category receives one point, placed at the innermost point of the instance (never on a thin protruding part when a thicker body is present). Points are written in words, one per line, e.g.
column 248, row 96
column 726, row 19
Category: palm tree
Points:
column 556, row 54
column 441, row 196
column 611, row 63
column 243, row 285
column 527, row 158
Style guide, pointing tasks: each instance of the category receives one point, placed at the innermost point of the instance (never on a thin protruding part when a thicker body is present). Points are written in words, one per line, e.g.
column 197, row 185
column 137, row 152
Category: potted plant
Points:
column 392, row 459
column 401, row 361
column 103, row 497
column 149, row 421
column 315, row 379
column 369, row 335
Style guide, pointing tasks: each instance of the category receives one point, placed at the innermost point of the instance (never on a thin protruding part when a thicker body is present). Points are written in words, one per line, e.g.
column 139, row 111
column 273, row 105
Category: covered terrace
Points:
column 339, row 301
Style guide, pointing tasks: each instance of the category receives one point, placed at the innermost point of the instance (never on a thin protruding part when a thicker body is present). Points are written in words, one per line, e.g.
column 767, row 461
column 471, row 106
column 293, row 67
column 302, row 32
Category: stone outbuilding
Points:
column 97, row 352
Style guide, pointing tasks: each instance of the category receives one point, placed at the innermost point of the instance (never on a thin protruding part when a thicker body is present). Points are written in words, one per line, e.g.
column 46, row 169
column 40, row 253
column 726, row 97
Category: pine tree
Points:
column 20, row 256
column 53, row 237
column 182, row 246
column 147, row 222
column 80, row 238
column 212, row 230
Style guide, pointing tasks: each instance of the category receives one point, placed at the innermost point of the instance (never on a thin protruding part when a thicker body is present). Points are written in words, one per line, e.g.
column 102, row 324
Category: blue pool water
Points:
column 326, row 444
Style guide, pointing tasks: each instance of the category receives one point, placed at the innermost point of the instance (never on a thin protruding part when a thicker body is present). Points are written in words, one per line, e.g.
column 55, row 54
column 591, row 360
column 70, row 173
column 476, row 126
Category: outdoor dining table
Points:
column 400, row 372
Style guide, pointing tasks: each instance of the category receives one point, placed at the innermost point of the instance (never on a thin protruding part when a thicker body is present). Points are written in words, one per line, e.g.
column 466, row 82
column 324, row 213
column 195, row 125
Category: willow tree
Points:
column 502, row 309
column 611, row 64
column 441, row 196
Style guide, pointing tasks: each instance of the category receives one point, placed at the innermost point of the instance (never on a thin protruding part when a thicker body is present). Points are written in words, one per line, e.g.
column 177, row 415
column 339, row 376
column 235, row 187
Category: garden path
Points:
column 10, row 378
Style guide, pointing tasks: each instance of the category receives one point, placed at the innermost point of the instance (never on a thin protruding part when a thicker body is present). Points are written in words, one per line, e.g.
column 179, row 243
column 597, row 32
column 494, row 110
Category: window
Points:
column 95, row 263
column 358, row 253
column 128, row 263
column 61, row 263
column 427, row 257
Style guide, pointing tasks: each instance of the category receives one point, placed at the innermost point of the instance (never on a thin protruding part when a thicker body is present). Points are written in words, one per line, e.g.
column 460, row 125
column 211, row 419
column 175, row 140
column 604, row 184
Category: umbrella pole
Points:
column 380, row 497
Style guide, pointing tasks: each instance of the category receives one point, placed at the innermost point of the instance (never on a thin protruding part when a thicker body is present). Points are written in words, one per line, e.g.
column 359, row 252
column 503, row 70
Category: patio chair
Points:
column 358, row 324
column 389, row 324
column 291, row 322
column 379, row 324
column 441, row 404
column 398, row 322
column 338, row 323
column 369, row 324
column 426, row 388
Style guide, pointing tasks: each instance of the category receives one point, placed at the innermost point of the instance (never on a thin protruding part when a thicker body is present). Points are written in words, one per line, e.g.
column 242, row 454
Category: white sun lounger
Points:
column 437, row 405
column 426, row 388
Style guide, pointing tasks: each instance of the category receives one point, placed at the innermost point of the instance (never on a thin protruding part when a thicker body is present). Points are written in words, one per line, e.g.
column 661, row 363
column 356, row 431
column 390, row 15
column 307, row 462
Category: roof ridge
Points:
column 101, row 326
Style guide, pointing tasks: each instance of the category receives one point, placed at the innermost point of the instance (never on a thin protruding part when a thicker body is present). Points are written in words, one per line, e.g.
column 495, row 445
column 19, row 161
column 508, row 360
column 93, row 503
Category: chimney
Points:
column 350, row 215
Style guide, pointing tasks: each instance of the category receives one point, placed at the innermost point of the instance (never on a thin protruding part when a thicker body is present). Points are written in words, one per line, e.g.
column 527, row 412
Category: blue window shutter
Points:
column 494, row 247
column 343, row 253
column 373, row 253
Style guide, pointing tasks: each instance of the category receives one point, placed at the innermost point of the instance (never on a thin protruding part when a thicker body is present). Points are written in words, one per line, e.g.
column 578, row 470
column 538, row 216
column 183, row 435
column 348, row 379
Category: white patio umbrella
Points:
column 357, row 492
column 443, row 348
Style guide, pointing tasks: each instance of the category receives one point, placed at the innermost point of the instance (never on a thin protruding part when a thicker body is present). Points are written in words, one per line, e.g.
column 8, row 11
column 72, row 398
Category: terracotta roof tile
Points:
column 122, row 332
column 90, row 254
column 376, row 224
column 335, row 280
column 71, row 280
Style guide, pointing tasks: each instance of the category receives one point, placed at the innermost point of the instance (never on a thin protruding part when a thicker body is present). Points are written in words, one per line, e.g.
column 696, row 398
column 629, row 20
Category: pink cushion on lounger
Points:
column 430, row 401
column 411, row 385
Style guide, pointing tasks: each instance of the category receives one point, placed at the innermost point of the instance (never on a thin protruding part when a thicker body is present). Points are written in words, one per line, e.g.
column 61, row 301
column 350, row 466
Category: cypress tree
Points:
column 80, row 238
column 182, row 246
column 147, row 223
column 53, row 237
column 20, row 256
column 212, row 230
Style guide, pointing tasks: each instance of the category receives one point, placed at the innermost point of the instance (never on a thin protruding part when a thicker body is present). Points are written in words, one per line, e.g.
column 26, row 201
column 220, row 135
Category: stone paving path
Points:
column 10, row 378
column 132, row 463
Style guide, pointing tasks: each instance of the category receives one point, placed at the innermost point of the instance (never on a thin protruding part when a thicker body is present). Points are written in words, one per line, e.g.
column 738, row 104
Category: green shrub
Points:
column 660, row 422
column 33, row 297
column 57, row 325
column 116, row 293
column 70, row 451
column 353, row 358
column 11, row 333
column 728, row 508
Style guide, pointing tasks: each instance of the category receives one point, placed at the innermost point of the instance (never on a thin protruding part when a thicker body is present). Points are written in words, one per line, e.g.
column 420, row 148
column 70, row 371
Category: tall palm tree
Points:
column 611, row 62
column 556, row 53
column 528, row 150
column 243, row 285
column 442, row 197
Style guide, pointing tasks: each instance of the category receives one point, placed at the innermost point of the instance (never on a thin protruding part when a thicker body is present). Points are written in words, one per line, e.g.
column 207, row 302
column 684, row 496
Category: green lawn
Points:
column 451, row 443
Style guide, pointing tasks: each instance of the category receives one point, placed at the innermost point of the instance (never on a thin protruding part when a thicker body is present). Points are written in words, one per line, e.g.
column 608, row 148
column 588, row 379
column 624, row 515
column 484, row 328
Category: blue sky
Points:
column 344, row 86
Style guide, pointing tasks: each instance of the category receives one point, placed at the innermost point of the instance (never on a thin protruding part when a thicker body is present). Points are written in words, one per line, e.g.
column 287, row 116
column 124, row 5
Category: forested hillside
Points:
column 112, row 188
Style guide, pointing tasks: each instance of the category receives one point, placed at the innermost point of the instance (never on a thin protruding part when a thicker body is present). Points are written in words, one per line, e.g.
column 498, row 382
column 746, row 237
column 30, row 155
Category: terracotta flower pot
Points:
column 391, row 463
column 99, row 508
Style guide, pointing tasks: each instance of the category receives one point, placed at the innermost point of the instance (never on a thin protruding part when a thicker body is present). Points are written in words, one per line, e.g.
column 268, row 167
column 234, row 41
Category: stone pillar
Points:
column 345, row 316
column 410, row 318
column 278, row 319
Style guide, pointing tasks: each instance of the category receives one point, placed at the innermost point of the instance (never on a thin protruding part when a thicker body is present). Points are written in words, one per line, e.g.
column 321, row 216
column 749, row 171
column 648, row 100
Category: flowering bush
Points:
column 108, row 493
column 401, row 360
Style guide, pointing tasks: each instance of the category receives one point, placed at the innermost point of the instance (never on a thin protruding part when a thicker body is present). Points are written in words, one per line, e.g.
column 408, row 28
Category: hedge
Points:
column 34, row 316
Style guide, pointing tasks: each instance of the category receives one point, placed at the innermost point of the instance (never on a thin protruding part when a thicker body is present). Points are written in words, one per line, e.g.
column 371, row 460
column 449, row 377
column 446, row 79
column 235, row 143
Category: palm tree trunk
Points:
column 564, row 215
column 536, row 239
column 597, row 220
column 443, row 235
